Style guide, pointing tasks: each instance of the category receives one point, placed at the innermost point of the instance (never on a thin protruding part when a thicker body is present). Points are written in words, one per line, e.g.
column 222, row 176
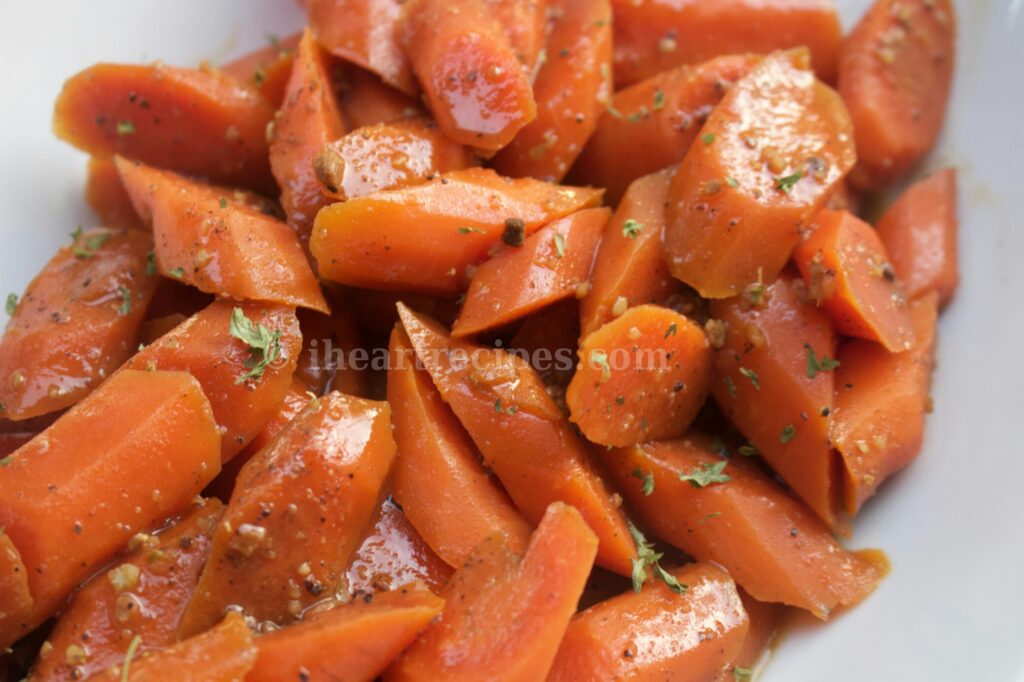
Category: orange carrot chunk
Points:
column 15, row 594
column 525, row 23
column 366, row 101
column 267, row 69
column 765, row 621
column 106, row 196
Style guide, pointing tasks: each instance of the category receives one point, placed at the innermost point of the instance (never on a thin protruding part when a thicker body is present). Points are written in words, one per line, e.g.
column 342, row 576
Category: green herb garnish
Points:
column 816, row 364
column 707, row 474
column 126, row 301
column 788, row 434
column 12, row 303
column 632, row 228
column 648, row 480
column 648, row 558
column 750, row 374
column 264, row 345
column 787, row 183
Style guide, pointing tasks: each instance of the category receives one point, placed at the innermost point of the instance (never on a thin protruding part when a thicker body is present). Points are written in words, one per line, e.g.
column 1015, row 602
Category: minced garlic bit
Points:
column 124, row 578
column 620, row 306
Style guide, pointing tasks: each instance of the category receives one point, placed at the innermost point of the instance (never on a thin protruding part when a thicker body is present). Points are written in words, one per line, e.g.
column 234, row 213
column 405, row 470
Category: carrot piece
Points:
column 11, row 441
column 106, row 196
column 772, row 545
column 214, row 239
column 472, row 82
column 765, row 621
column 549, row 338
column 322, row 476
column 329, row 359
column 76, row 322
column 386, row 156
column 143, row 595
column 549, row 267
column 525, row 24
column 354, row 641
column 129, row 455
column 527, row 609
column 463, row 505
column 204, row 346
column 652, row 124
column 15, row 594
column 570, row 90
column 881, row 399
column 768, row 157
column 366, row 101
column 423, row 238
column 653, row 36
column 186, row 120
column 895, row 75
column 656, row 634
column 919, row 232
column 523, row 435
column 267, row 69
column 643, row 376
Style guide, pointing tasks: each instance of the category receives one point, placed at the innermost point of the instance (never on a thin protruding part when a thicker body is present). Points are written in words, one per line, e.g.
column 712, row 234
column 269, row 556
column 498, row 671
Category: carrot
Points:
column 653, row 36
column 569, row 90
column 651, row 125
column 472, row 82
column 643, row 376
column 549, row 338
column 527, row 605
column 11, row 441
column 76, row 322
column 132, row 453
column 772, row 545
column 215, row 240
column 881, row 399
column 525, row 24
column 895, row 75
column 143, row 594
column 656, row 634
column 267, row 69
column 175, row 298
column 765, row 622
column 106, row 196
column 386, row 156
column 550, row 266
column 328, row 359
column 424, row 238
column 205, row 346
column 774, row 379
column 768, row 157
column 15, row 594
column 919, row 232
column 296, row 514
column 354, row 641
column 186, row 120
column 366, row 101
column 377, row 311
column 463, row 505
column 523, row 436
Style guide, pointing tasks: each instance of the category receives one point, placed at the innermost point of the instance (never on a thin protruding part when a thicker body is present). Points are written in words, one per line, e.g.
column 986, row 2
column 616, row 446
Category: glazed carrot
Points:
column 174, row 297
column 845, row 198
column 354, row 641
column 366, row 101
column 328, row 361
column 186, row 120
column 768, row 157
column 772, row 545
column 653, row 36
column 215, row 240
column 570, row 89
column 377, row 311
column 11, row 441
column 550, row 266
column 895, row 75
column 463, row 505
column 267, row 69
column 15, row 594
column 919, row 232
column 205, row 347
column 321, row 476
column 643, row 376
column 129, row 455
column 472, row 81
column 847, row 272
column 523, row 436
column 656, row 634
column 774, row 379
column 525, row 610
column 76, row 322
column 525, row 24
column 651, row 125
column 423, row 238
column 142, row 594
column 549, row 338
column 106, row 196
column 386, row 156
column 765, row 621
column 880, row 402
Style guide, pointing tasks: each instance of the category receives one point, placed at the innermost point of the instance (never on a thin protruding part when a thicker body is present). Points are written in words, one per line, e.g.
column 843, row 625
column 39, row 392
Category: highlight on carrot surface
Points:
column 266, row 69
column 106, row 196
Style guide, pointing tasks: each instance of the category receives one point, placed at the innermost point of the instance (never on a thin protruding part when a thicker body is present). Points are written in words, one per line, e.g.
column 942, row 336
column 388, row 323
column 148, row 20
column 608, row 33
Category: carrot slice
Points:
column 549, row 267
column 550, row 338
column 15, row 594
column 186, row 120
column 106, row 196
column 214, row 239
column 895, row 75
column 424, row 238
column 76, row 322
column 267, row 69
column 765, row 622
column 329, row 360
column 527, row 609
column 525, row 24
column 768, row 157
column 143, row 444
column 366, row 101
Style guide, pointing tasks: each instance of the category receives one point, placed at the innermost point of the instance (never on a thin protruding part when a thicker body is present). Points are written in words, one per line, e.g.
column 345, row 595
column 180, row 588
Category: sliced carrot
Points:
column 76, row 322
column 919, row 232
column 549, row 339
column 525, row 24
column 15, row 594
column 766, row 620
column 366, row 101
column 267, row 69
column 213, row 239
column 186, row 120
column 328, row 360
column 895, row 75
column 377, row 311
column 128, row 456
column 767, row 160
column 772, row 545
column 524, row 437
column 106, row 196
column 527, row 609
column 550, row 266
column 424, row 238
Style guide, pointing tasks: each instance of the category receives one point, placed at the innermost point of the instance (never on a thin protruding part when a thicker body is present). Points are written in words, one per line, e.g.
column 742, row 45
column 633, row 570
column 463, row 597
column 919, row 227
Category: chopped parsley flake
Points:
column 151, row 263
column 93, row 243
column 732, row 182
column 648, row 480
column 560, row 245
column 264, row 345
column 632, row 228
column 742, row 674
column 600, row 359
column 223, row 202
column 12, row 303
column 126, row 301
column 671, row 331
column 708, row 138
column 788, row 434
column 748, row 450
column 648, row 558
column 659, row 99
column 815, row 365
column 750, row 374
column 125, row 128
column 176, row 273
column 787, row 183
column 707, row 474
column 467, row 230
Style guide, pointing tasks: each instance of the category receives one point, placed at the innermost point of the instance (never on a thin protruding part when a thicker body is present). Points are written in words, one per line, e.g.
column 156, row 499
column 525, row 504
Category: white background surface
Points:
column 953, row 524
